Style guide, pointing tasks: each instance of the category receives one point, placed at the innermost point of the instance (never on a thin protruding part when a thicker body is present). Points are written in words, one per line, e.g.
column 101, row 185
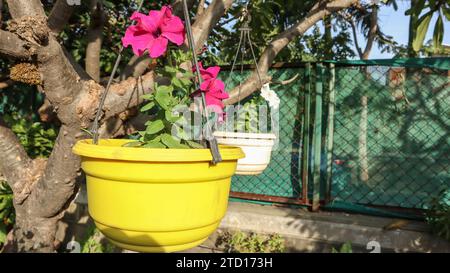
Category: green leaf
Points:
column 170, row 117
column 87, row 132
column 188, row 75
column 446, row 12
column 438, row 33
column 2, row 233
column 416, row 9
column 132, row 144
column 163, row 96
column 194, row 144
column 148, row 96
column 154, row 140
column 154, row 127
column 177, row 83
column 172, row 143
column 148, row 106
column 170, row 69
column 422, row 29
column 158, row 145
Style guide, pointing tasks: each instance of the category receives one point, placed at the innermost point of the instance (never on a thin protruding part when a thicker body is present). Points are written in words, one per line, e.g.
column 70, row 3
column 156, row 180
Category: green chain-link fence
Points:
column 385, row 141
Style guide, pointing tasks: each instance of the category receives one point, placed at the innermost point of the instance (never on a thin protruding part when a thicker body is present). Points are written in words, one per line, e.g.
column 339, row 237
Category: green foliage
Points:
column 75, row 37
column 345, row 248
column 7, row 214
column 438, row 215
column 37, row 140
column 247, row 117
column 240, row 242
column 268, row 19
column 164, row 105
column 424, row 10
column 95, row 242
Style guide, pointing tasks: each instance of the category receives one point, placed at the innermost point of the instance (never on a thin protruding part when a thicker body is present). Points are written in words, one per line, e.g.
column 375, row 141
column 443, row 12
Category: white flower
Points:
column 270, row 96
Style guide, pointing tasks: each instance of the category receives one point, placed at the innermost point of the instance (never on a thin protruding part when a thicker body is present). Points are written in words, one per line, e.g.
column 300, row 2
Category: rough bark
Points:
column 200, row 8
column 12, row 46
column 317, row 13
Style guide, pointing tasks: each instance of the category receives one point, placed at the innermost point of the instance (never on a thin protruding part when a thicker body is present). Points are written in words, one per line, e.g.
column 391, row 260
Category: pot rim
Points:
column 226, row 134
column 112, row 149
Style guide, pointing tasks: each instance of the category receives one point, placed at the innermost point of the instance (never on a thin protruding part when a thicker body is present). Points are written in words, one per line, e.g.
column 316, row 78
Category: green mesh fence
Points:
column 389, row 146
column 282, row 177
column 391, row 136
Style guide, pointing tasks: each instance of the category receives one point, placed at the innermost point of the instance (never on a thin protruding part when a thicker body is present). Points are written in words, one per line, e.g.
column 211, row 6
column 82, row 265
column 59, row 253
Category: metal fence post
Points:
column 330, row 131
column 306, row 134
column 317, row 137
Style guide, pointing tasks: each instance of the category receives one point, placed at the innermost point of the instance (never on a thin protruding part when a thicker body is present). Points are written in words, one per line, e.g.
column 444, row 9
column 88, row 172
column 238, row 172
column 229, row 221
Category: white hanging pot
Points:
column 257, row 148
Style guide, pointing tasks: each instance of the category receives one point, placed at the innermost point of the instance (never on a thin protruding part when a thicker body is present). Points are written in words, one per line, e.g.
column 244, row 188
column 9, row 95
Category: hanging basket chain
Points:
column 95, row 125
column 208, row 134
column 245, row 37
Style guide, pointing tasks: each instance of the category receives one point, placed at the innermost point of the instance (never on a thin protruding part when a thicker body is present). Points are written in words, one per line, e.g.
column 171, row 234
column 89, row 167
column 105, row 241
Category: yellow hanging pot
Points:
column 156, row 200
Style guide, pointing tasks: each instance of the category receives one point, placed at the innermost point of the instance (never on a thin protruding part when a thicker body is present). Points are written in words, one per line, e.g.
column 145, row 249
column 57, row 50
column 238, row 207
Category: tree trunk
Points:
column 328, row 38
column 412, row 31
column 362, row 142
column 43, row 191
column 32, row 234
column 95, row 40
column 363, row 122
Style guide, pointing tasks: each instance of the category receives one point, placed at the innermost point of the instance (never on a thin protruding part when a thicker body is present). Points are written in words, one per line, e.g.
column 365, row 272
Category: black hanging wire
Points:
column 244, row 38
column 94, row 128
column 208, row 134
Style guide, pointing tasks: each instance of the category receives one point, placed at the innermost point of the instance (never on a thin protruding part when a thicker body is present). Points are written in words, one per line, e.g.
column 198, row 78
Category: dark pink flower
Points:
column 153, row 32
column 213, row 88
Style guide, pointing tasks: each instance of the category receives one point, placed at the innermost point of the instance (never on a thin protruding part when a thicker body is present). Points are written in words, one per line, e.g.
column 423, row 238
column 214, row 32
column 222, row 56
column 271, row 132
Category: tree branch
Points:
column 207, row 20
column 372, row 32
column 12, row 46
column 95, row 40
column 20, row 8
column 15, row 160
column 6, row 84
column 348, row 17
column 59, row 16
column 177, row 6
column 317, row 13
column 58, row 182
column 200, row 8
column 1, row 11
column 136, row 67
column 61, row 82
column 127, row 94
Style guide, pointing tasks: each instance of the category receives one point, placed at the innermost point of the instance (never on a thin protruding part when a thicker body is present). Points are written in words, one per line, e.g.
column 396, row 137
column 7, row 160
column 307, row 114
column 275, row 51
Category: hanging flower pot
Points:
column 257, row 148
column 247, row 134
column 156, row 200
column 162, row 191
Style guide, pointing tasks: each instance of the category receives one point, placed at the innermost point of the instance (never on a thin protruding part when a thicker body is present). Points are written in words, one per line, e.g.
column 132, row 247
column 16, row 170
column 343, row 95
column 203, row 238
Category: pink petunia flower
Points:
column 213, row 88
column 153, row 32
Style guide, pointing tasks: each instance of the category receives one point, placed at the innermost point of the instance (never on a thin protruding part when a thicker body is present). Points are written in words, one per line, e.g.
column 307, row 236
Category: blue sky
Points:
column 396, row 24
